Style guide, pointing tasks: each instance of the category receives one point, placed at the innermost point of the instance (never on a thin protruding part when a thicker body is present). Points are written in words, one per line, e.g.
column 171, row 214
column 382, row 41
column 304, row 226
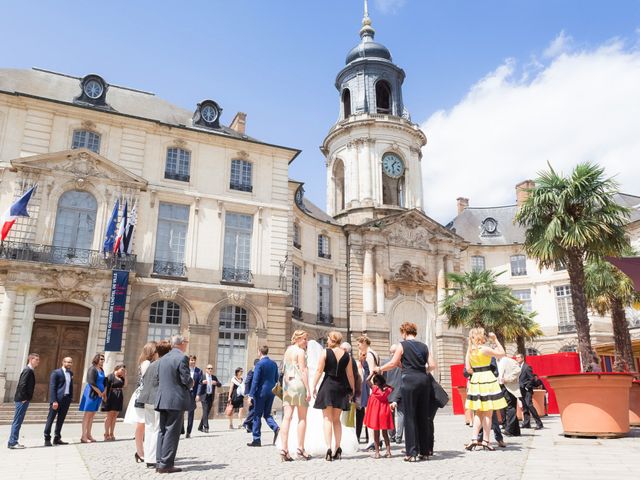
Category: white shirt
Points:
column 209, row 384
column 67, row 381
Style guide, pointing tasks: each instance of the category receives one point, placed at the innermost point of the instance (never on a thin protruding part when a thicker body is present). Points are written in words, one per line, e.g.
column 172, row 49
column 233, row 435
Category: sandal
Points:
column 300, row 453
column 387, row 455
column 472, row 445
column 410, row 459
column 284, row 456
column 486, row 446
column 423, row 457
column 376, row 455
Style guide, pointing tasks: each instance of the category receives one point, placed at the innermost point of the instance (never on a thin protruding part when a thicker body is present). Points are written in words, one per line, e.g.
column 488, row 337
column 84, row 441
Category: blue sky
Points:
column 276, row 60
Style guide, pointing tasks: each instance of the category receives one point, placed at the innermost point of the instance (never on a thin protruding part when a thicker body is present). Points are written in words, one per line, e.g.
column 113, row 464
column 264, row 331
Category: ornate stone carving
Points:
column 237, row 298
column 168, row 293
column 65, row 294
column 408, row 273
column 88, row 125
column 81, row 166
column 180, row 143
column 242, row 155
column 410, row 234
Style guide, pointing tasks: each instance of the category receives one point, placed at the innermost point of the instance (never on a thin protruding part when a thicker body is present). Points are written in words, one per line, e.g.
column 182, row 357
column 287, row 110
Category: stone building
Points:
column 210, row 243
column 496, row 243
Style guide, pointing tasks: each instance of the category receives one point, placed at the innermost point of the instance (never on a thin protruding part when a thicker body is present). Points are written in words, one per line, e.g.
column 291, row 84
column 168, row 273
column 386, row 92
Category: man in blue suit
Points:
column 248, row 381
column 60, row 395
column 196, row 375
column 265, row 376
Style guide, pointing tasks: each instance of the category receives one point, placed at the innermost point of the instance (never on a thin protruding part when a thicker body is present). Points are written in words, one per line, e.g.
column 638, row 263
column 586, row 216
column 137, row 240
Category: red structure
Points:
column 542, row 365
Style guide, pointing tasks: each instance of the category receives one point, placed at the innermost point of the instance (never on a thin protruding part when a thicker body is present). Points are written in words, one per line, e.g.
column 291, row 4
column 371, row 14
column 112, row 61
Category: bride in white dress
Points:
column 314, row 438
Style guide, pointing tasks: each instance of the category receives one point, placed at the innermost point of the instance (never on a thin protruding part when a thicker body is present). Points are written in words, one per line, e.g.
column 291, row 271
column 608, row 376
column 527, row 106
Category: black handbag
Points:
column 439, row 393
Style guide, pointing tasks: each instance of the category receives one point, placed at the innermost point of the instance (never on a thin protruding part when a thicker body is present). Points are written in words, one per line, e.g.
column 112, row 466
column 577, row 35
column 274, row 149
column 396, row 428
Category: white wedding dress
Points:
column 314, row 442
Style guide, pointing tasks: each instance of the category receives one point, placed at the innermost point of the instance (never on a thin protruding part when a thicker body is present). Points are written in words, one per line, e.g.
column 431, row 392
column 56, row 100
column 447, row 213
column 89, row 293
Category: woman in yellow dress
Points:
column 484, row 394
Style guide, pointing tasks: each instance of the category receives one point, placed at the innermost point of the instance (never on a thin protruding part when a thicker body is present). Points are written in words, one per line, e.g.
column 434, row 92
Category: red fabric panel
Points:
column 457, row 380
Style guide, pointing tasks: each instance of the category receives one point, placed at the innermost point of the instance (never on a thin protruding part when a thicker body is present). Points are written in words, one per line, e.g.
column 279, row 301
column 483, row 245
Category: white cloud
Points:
column 561, row 44
column 389, row 6
column 582, row 106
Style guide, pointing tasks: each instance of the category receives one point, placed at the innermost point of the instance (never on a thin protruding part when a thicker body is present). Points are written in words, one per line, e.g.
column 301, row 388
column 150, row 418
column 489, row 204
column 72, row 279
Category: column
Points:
column 379, row 293
column 6, row 322
column 368, row 287
column 366, row 168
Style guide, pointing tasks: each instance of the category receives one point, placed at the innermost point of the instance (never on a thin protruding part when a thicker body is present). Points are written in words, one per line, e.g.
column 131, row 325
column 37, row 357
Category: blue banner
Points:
column 117, row 302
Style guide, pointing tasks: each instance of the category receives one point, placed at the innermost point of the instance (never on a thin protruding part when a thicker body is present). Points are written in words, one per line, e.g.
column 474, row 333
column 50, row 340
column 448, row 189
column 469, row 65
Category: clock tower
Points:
column 373, row 152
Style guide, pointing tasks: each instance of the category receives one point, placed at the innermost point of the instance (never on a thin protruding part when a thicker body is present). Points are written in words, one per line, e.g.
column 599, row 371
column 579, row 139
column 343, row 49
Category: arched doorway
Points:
column 411, row 309
column 60, row 329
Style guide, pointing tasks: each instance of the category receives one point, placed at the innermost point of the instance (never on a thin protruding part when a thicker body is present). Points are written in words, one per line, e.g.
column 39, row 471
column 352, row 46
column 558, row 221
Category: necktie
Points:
column 209, row 386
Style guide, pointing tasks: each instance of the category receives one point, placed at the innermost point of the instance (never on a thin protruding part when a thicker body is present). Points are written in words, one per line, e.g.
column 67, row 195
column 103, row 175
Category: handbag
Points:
column 439, row 393
column 229, row 410
column 277, row 390
column 348, row 418
column 138, row 391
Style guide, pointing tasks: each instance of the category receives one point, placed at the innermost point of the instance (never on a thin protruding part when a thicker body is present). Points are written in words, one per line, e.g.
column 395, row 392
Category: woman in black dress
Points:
column 416, row 362
column 335, row 391
column 116, row 381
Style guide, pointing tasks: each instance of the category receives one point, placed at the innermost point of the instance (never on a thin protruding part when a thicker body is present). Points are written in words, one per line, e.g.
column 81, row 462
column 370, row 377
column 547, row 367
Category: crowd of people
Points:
column 330, row 395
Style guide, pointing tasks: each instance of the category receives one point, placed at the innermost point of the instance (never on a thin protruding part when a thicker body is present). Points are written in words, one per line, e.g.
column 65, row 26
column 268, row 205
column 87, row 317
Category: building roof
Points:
column 64, row 88
column 472, row 223
column 316, row 212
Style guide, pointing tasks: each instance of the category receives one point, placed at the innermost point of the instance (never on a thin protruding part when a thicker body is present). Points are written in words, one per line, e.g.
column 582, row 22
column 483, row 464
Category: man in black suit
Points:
column 60, row 395
column 248, row 380
column 206, row 395
column 196, row 375
column 172, row 400
column 24, row 394
column 526, row 388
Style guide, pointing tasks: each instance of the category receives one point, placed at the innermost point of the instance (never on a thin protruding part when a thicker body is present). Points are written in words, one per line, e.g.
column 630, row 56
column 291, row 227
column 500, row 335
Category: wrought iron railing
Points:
column 324, row 319
column 236, row 275
column 169, row 269
column 324, row 255
column 568, row 327
column 33, row 252
column 297, row 313
column 243, row 187
column 181, row 177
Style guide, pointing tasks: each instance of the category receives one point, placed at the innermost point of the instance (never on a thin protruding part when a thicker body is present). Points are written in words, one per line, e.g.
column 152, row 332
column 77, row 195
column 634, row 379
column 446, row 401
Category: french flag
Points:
column 118, row 247
column 18, row 209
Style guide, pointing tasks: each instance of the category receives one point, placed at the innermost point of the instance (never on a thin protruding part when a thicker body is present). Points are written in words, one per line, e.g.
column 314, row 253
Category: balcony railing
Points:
column 169, row 269
column 243, row 187
column 181, row 177
column 324, row 319
column 297, row 245
column 237, row 275
column 32, row 252
column 568, row 327
column 324, row 255
column 297, row 313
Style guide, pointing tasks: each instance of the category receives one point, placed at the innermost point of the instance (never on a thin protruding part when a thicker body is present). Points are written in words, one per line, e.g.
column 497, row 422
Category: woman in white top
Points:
column 235, row 399
column 135, row 415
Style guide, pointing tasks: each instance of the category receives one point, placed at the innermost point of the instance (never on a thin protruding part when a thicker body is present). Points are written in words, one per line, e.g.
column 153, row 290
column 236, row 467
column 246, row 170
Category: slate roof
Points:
column 316, row 212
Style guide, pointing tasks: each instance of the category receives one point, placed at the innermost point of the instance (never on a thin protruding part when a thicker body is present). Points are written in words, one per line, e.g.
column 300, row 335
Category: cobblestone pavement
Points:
column 223, row 454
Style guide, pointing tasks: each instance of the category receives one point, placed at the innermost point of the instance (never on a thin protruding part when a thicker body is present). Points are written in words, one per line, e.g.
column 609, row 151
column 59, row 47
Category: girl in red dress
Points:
column 378, row 415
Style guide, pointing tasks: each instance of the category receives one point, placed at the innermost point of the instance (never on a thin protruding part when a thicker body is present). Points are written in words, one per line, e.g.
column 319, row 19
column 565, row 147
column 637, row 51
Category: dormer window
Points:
column 489, row 227
column 93, row 91
column 207, row 114
column 86, row 139
column 178, row 164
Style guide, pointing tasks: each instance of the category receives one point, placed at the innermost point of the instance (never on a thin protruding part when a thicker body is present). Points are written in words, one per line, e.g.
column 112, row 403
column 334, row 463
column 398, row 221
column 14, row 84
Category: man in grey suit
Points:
column 173, row 399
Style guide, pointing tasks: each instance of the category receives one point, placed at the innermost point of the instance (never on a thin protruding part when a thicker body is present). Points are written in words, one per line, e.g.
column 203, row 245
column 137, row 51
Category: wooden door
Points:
column 53, row 340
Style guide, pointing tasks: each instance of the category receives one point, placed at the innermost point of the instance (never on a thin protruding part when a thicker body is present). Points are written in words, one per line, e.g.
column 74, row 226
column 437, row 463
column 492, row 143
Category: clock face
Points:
column 392, row 165
column 490, row 225
column 93, row 89
column 209, row 113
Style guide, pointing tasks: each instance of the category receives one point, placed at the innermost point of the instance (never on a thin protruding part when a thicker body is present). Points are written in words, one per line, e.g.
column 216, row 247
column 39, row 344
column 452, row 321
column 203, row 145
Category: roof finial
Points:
column 366, row 30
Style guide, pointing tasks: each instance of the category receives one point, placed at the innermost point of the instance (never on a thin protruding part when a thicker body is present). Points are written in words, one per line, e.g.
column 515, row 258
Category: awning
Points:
column 629, row 266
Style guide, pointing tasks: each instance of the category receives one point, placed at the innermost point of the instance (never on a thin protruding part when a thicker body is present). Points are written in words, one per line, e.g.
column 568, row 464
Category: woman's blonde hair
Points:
column 297, row 335
column 477, row 337
column 148, row 351
column 334, row 339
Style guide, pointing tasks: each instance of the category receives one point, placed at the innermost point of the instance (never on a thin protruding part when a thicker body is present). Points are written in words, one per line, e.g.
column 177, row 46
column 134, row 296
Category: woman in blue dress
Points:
column 92, row 397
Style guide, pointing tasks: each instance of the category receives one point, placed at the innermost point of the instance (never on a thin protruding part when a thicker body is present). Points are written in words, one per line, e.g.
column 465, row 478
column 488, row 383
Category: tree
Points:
column 477, row 300
column 608, row 290
column 569, row 220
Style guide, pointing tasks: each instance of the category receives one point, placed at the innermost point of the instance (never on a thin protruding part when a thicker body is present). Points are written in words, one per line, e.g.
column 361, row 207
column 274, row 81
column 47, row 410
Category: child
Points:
column 378, row 415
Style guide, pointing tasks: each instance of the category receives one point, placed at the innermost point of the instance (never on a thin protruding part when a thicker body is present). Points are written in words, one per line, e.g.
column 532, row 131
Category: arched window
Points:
column 164, row 320
column 346, row 103
column 75, row 220
column 232, row 341
column 532, row 352
column 338, row 182
column 86, row 139
column 383, row 97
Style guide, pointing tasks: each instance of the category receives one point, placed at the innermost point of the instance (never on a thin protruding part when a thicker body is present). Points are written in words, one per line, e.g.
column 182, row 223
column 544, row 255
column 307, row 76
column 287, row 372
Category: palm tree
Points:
column 608, row 290
column 477, row 300
column 521, row 326
column 570, row 219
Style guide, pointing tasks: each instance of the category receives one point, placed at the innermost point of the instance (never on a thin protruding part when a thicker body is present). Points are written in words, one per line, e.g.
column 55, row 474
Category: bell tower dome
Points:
column 373, row 152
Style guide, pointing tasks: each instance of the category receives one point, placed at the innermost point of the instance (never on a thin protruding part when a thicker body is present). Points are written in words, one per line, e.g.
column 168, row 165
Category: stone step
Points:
column 37, row 413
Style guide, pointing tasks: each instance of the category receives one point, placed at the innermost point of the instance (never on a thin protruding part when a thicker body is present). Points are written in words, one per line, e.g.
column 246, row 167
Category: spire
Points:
column 367, row 30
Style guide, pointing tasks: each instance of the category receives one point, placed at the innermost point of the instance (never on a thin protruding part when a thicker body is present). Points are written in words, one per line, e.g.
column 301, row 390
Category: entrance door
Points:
column 55, row 339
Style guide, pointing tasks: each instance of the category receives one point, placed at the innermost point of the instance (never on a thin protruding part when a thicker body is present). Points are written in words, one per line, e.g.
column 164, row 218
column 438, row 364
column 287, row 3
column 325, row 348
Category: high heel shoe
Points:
column 471, row 445
column 328, row 456
column 486, row 446
column 138, row 458
column 338, row 454
column 284, row 456
column 302, row 454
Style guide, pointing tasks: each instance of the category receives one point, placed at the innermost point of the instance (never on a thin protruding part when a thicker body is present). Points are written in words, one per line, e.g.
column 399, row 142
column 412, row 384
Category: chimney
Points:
column 239, row 123
column 462, row 204
column 522, row 191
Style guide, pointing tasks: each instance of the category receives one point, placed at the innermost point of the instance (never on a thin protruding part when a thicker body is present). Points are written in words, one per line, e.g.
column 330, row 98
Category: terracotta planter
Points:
column 468, row 416
column 593, row 404
column 634, row 404
column 538, row 402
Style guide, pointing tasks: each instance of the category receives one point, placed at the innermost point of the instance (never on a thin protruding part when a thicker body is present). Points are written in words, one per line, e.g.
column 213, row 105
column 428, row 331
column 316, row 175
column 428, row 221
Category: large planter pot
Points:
column 593, row 404
column 538, row 402
column 634, row 404
column 468, row 417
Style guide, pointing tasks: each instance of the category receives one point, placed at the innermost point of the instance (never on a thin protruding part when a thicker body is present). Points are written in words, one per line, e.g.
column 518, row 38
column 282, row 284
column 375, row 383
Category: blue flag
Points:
column 110, row 236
